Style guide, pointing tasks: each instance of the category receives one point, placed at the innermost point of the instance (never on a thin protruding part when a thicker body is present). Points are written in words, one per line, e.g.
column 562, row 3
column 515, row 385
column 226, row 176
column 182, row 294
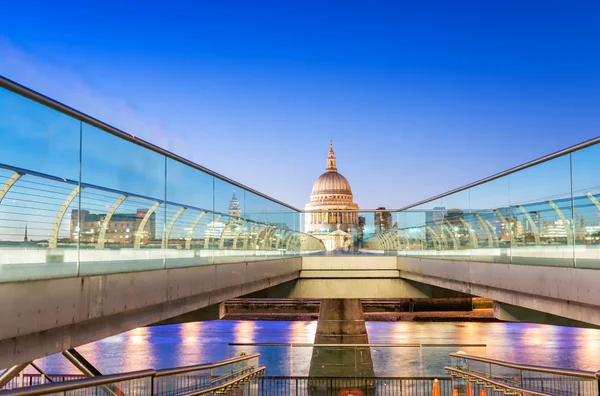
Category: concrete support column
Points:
column 341, row 321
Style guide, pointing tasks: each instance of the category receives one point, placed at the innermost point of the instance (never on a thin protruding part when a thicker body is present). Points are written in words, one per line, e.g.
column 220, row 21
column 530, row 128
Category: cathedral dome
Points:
column 331, row 183
column 332, row 215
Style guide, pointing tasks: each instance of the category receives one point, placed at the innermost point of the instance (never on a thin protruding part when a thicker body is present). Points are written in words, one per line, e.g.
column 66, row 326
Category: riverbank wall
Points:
column 426, row 310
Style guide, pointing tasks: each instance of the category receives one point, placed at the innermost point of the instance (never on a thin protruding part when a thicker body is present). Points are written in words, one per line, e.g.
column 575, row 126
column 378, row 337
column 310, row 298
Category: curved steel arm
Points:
column 536, row 234
column 165, row 243
column 229, row 225
column 486, row 228
column 257, row 239
column 237, row 234
column 566, row 224
column 208, row 235
column 436, row 238
column 139, row 233
column 506, row 223
column 106, row 222
column 248, row 235
column 53, row 239
column 280, row 239
column 594, row 200
column 288, row 240
column 188, row 239
column 267, row 240
column 9, row 183
column 448, row 228
column 472, row 235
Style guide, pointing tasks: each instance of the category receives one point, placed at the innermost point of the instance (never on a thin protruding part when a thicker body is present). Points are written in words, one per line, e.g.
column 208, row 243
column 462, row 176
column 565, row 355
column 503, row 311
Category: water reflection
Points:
column 194, row 343
column 189, row 349
column 244, row 331
column 136, row 352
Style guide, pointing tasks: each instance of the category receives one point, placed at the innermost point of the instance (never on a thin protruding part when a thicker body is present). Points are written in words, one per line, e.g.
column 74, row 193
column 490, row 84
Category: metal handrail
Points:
column 496, row 384
column 56, row 387
column 306, row 377
column 78, row 115
column 228, row 384
column 541, row 369
column 517, row 168
column 127, row 194
column 41, row 175
column 208, row 366
column 389, row 345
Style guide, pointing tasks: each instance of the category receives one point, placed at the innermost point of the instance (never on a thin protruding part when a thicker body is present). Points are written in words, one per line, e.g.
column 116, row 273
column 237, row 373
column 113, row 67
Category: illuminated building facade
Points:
column 120, row 230
column 332, row 215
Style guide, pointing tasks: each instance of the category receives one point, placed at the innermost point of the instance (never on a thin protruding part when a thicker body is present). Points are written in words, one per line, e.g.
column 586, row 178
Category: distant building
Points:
column 435, row 216
column 382, row 220
column 218, row 227
column 234, row 207
column 120, row 230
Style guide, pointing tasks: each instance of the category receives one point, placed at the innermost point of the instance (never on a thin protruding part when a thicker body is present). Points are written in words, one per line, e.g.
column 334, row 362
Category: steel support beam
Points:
column 106, row 222
column 139, row 232
column 567, row 225
column 8, row 184
column 165, row 242
column 81, row 363
column 188, row 240
column 89, row 370
column 43, row 375
column 11, row 373
column 53, row 239
column 536, row 234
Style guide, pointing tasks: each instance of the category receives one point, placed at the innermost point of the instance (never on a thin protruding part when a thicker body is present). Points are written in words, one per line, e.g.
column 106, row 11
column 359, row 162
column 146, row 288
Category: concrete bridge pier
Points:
column 341, row 322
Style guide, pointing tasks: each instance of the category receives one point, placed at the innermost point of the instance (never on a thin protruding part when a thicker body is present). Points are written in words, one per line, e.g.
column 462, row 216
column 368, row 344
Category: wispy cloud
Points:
column 70, row 88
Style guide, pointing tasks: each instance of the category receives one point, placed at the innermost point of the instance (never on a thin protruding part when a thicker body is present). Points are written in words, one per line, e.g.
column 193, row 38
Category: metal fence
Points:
column 332, row 386
column 545, row 380
column 190, row 380
column 39, row 379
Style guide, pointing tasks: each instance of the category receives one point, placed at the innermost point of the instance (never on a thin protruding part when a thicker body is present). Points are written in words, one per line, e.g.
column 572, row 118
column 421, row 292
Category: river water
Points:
column 203, row 342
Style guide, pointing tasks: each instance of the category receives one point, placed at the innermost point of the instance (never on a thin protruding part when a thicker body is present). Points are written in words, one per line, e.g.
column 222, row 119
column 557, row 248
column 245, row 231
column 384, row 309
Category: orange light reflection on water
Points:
column 244, row 331
column 137, row 352
column 190, row 349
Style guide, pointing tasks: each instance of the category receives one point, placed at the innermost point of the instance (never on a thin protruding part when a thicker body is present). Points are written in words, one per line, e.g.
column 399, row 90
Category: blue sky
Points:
column 419, row 97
